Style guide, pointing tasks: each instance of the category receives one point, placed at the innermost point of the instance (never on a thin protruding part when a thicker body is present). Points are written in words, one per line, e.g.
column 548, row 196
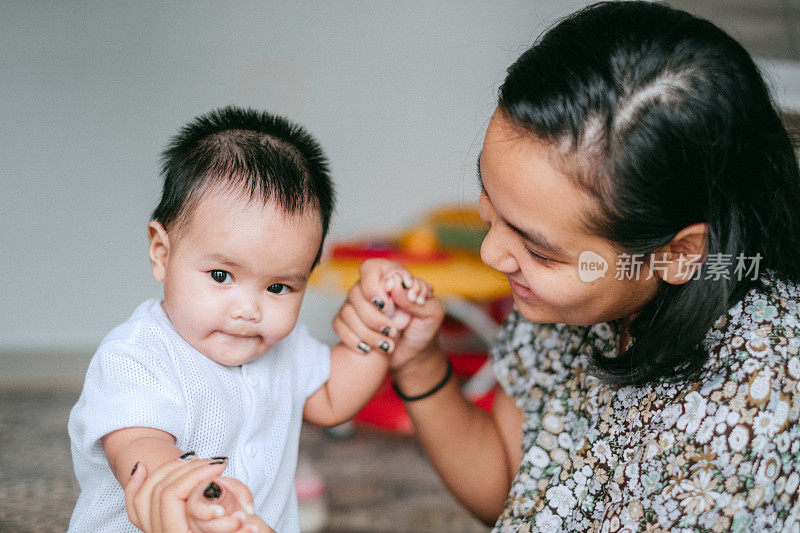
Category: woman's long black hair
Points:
column 666, row 121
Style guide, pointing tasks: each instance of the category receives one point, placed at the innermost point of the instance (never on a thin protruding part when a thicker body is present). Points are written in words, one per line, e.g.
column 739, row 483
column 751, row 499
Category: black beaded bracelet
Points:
column 431, row 392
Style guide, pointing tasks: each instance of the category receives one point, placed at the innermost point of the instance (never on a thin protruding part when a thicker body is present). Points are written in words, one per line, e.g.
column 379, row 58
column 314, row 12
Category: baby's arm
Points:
column 359, row 363
column 355, row 377
column 126, row 447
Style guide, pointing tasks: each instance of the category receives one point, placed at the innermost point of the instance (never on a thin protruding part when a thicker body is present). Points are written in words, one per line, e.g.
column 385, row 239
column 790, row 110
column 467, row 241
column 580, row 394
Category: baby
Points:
column 221, row 367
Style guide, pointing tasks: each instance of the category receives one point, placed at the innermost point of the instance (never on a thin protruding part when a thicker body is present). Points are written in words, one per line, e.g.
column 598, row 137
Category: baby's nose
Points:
column 247, row 310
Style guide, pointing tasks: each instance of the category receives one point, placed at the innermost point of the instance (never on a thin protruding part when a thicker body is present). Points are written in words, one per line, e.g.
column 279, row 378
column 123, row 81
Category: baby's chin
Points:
column 234, row 359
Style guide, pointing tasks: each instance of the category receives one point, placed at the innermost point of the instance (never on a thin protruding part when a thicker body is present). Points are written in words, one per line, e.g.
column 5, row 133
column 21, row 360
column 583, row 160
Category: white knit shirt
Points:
column 145, row 374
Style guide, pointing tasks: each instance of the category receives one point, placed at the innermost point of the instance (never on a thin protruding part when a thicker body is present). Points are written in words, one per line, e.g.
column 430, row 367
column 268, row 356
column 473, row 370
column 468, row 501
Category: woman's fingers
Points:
column 240, row 491
column 376, row 316
column 243, row 519
column 135, row 482
column 205, row 503
column 217, row 498
column 226, row 524
column 167, row 502
column 138, row 496
column 373, row 276
column 351, row 329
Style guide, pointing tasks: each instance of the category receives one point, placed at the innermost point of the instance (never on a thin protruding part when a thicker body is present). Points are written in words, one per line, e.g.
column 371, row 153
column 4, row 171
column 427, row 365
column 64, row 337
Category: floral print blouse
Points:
column 718, row 454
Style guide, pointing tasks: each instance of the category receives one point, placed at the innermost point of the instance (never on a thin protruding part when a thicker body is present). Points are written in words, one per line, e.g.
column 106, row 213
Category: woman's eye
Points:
column 540, row 258
column 221, row 276
column 278, row 288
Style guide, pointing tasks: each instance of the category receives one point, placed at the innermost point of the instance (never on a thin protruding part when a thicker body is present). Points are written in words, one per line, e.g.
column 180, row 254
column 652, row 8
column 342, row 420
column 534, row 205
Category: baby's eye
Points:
column 279, row 288
column 221, row 276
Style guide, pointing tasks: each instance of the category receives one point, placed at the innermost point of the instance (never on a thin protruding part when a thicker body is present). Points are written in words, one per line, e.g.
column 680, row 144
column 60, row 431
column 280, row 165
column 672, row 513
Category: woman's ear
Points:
column 679, row 259
column 159, row 249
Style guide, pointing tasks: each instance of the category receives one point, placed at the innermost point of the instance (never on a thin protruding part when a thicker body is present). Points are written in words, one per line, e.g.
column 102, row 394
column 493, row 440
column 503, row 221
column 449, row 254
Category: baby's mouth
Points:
column 239, row 335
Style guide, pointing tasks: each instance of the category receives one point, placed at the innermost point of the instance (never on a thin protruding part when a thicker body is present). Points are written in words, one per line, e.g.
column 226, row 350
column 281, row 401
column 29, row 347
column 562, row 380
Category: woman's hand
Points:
column 160, row 502
column 224, row 505
column 389, row 305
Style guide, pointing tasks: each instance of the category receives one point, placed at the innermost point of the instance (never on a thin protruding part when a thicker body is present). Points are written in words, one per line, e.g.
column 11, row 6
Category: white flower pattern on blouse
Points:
column 721, row 453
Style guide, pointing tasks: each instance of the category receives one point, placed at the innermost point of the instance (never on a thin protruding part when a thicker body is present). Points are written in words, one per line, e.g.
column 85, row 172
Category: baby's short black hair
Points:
column 265, row 156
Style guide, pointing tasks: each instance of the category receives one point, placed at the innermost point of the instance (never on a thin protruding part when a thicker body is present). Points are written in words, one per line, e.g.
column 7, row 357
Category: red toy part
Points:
column 385, row 410
column 366, row 251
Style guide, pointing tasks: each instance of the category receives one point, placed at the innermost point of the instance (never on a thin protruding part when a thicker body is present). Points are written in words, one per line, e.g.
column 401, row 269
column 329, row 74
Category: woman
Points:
column 664, row 393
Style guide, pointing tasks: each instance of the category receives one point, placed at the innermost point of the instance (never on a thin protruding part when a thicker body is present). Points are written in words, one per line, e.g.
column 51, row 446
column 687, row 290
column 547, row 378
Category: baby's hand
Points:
column 222, row 505
column 390, row 309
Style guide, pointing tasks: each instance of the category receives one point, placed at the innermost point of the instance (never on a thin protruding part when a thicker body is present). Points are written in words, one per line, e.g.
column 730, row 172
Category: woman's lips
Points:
column 521, row 290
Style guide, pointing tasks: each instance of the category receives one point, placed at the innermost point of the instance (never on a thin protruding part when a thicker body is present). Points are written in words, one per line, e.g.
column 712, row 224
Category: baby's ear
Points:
column 159, row 249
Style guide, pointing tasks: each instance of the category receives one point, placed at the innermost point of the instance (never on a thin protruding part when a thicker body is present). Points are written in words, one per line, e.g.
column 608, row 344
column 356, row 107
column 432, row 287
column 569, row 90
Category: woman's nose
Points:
column 495, row 253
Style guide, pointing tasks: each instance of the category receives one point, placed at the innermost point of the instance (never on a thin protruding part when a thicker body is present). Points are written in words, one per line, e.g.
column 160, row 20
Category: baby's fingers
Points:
column 411, row 294
column 419, row 291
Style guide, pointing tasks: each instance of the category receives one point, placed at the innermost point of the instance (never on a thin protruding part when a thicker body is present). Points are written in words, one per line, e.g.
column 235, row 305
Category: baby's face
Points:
column 235, row 277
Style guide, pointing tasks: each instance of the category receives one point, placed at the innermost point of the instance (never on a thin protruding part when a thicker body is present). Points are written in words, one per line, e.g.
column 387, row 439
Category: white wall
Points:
column 398, row 93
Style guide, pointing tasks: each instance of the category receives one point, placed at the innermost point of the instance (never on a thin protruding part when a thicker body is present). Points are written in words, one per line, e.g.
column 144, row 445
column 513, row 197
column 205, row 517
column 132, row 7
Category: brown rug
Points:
column 376, row 482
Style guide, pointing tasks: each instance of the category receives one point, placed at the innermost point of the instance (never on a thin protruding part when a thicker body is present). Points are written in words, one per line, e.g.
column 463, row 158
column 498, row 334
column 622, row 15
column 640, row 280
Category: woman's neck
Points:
column 623, row 337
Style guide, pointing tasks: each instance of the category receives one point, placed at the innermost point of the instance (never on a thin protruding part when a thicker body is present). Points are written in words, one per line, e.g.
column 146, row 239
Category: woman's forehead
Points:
column 529, row 192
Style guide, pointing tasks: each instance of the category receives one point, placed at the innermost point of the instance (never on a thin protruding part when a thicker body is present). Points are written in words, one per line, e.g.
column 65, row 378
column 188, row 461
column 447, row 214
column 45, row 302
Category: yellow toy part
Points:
column 444, row 250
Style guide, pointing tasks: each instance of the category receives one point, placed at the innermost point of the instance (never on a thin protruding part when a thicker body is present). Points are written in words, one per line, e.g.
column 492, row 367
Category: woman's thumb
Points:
column 136, row 480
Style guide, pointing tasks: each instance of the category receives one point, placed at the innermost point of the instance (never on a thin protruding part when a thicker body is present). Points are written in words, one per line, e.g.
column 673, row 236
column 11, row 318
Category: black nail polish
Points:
column 364, row 347
column 134, row 468
column 218, row 460
column 213, row 491
column 379, row 303
column 384, row 346
column 186, row 455
column 385, row 331
column 403, row 283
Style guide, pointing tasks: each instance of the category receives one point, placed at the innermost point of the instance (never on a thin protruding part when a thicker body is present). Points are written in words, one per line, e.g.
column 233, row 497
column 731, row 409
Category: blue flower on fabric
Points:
column 760, row 311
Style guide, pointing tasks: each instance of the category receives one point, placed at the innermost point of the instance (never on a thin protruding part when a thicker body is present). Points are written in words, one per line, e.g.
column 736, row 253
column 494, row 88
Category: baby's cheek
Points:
column 282, row 323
